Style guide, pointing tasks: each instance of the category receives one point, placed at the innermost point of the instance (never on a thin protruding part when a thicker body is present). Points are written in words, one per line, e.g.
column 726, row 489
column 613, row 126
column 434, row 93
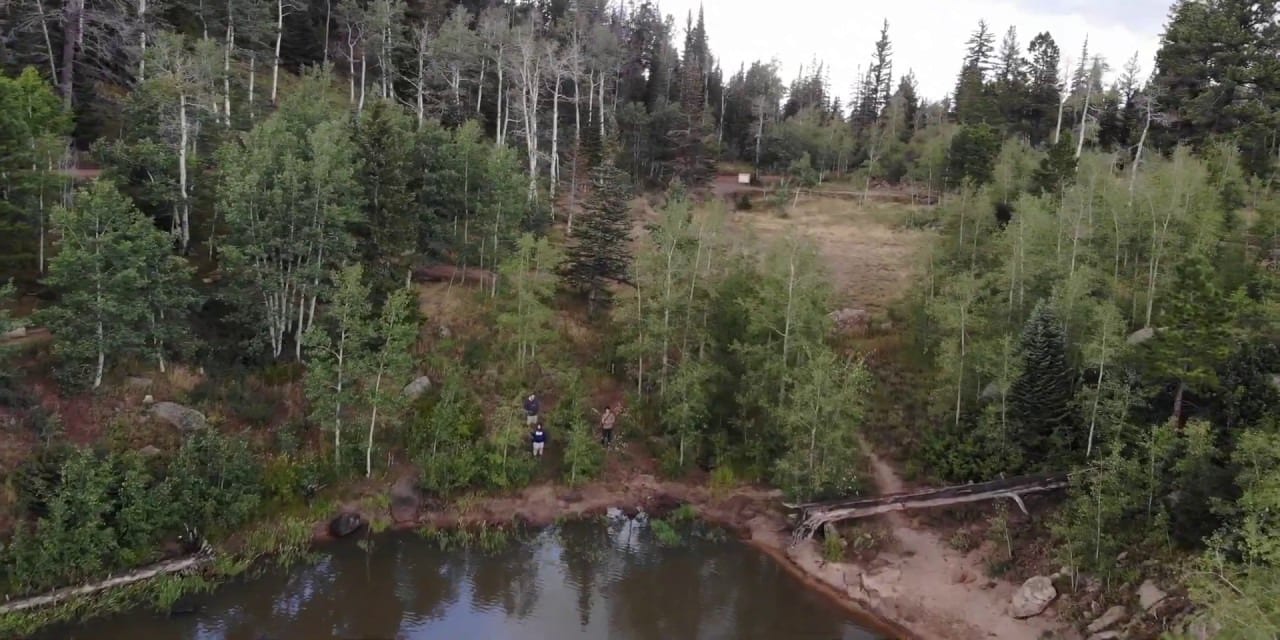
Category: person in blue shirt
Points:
column 531, row 409
column 539, row 440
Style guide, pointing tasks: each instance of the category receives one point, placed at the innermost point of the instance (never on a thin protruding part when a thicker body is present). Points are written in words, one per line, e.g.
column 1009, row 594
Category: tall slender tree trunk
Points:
column 253, row 72
column 328, row 20
column 1097, row 398
column 1137, row 158
column 142, row 38
column 226, row 69
column 72, row 37
column 183, row 187
column 275, row 61
column 1084, row 118
column 373, row 422
column 48, row 41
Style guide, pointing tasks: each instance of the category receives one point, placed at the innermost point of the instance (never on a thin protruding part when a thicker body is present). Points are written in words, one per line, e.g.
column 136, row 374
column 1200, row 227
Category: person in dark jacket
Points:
column 531, row 410
column 539, row 438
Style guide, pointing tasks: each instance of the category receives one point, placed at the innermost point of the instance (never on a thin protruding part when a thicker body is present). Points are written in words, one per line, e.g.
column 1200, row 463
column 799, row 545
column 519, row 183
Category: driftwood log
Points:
column 813, row 516
column 180, row 565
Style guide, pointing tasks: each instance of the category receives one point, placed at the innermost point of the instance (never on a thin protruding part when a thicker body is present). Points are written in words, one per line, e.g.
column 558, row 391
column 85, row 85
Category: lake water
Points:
column 592, row 580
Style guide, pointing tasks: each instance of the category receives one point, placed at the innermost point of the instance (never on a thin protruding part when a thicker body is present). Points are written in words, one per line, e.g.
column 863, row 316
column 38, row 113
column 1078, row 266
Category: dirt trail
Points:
column 936, row 591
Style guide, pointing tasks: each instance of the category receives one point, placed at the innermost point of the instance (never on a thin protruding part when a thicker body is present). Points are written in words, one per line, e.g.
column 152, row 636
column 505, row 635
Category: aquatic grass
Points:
column 684, row 514
column 665, row 534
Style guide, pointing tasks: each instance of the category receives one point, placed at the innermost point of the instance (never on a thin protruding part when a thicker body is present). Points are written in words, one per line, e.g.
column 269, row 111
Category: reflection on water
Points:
column 585, row 580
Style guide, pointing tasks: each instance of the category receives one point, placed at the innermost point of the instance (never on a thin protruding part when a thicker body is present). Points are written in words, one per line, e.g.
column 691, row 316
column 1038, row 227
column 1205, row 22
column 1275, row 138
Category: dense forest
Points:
column 236, row 206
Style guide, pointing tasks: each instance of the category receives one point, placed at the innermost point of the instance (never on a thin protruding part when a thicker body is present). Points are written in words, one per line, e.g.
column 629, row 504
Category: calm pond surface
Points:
column 597, row 580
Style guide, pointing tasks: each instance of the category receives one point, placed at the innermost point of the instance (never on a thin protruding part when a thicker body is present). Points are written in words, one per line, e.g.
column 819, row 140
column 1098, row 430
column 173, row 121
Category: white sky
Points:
column 928, row 36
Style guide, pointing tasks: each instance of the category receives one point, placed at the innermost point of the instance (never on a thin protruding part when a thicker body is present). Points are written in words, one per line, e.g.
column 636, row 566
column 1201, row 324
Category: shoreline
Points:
column 901, row 594
column 752, row 514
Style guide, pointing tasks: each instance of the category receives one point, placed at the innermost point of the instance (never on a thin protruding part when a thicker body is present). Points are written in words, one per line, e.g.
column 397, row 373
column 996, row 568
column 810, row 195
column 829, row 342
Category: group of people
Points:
column 533, row 418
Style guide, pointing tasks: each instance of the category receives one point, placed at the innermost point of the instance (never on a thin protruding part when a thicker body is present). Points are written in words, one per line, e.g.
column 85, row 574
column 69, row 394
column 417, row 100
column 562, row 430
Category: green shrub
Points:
column 833, row 547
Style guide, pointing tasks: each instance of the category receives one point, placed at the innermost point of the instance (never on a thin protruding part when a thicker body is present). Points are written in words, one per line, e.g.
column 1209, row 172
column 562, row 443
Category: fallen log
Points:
column 813, row 516
column 180, row 565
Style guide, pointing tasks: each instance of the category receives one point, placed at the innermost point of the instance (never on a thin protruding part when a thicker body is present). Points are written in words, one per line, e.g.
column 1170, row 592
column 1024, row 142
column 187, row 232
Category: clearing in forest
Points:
column 870, row 250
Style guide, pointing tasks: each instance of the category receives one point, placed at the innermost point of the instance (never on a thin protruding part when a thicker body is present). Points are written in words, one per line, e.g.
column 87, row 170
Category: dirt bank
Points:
column 920, row 589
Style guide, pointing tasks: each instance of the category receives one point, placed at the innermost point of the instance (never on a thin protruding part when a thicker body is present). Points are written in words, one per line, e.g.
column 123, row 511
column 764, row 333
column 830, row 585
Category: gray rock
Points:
column 418, row 387
column 1149, row 595
column 148, row 399
column 1032, row 598
column 150, row 451
column 990, row 392
column 138, row 382
column 1141, row 335
column 855, row 321
column 1203, row 628
column 345, row 524
column 1111, row 618
column 14, row 334
column 184, row 418
column 883, row 582
column 406, row 500
column 1105, row 635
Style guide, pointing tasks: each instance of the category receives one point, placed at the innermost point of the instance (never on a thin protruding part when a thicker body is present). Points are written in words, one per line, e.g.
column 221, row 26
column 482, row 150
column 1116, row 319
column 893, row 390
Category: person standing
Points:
column 531, row 409
column 539, row 440
column 607, row 420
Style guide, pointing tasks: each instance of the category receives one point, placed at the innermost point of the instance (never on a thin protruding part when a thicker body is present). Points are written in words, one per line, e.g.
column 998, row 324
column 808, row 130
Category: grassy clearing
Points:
column 871, row 251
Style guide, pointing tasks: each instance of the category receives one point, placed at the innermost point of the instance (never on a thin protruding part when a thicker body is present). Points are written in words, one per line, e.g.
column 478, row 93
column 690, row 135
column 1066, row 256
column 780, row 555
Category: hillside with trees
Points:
column 253, row 254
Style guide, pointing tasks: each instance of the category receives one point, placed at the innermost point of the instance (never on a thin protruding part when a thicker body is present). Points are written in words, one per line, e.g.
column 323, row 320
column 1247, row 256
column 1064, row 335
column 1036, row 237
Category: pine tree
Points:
column 694, row 162
column 973, row 103
column 972, row 155
column 1195, row 319
column 1057, row 169
column 876, row 84
column 910, row 106
column 600, row 251
column 121, row 292
column 1040, row 399
column 385, row 160
column 1011, row 81
column 1043, row 92
column 1216, row 75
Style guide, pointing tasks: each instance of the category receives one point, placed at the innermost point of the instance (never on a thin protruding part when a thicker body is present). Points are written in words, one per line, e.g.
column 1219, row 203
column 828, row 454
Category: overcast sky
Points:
column 928, row 36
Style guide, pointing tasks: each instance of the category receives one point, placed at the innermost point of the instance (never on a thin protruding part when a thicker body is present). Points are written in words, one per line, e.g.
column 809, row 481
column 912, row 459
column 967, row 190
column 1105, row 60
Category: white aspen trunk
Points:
column 501, row 133
column 555, row 140
column 328, row 19
column 960, row 374
column 1084, row 118
column 48, row 42
column 1097, row 398
column 1057, row 130
column 363, row 68
column 373, row 421
column 786, row 330
column 480, row 84
column 275, row 62
column 666, row 320
column 602, row 114
column 720, row 128
column 591, row 96
column 142, row 38
column 422, row 74
column 337, row 408
column 1137, row 158
column 253, row 67
column 226, row 70
column 351, row 67
column 185, row 210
